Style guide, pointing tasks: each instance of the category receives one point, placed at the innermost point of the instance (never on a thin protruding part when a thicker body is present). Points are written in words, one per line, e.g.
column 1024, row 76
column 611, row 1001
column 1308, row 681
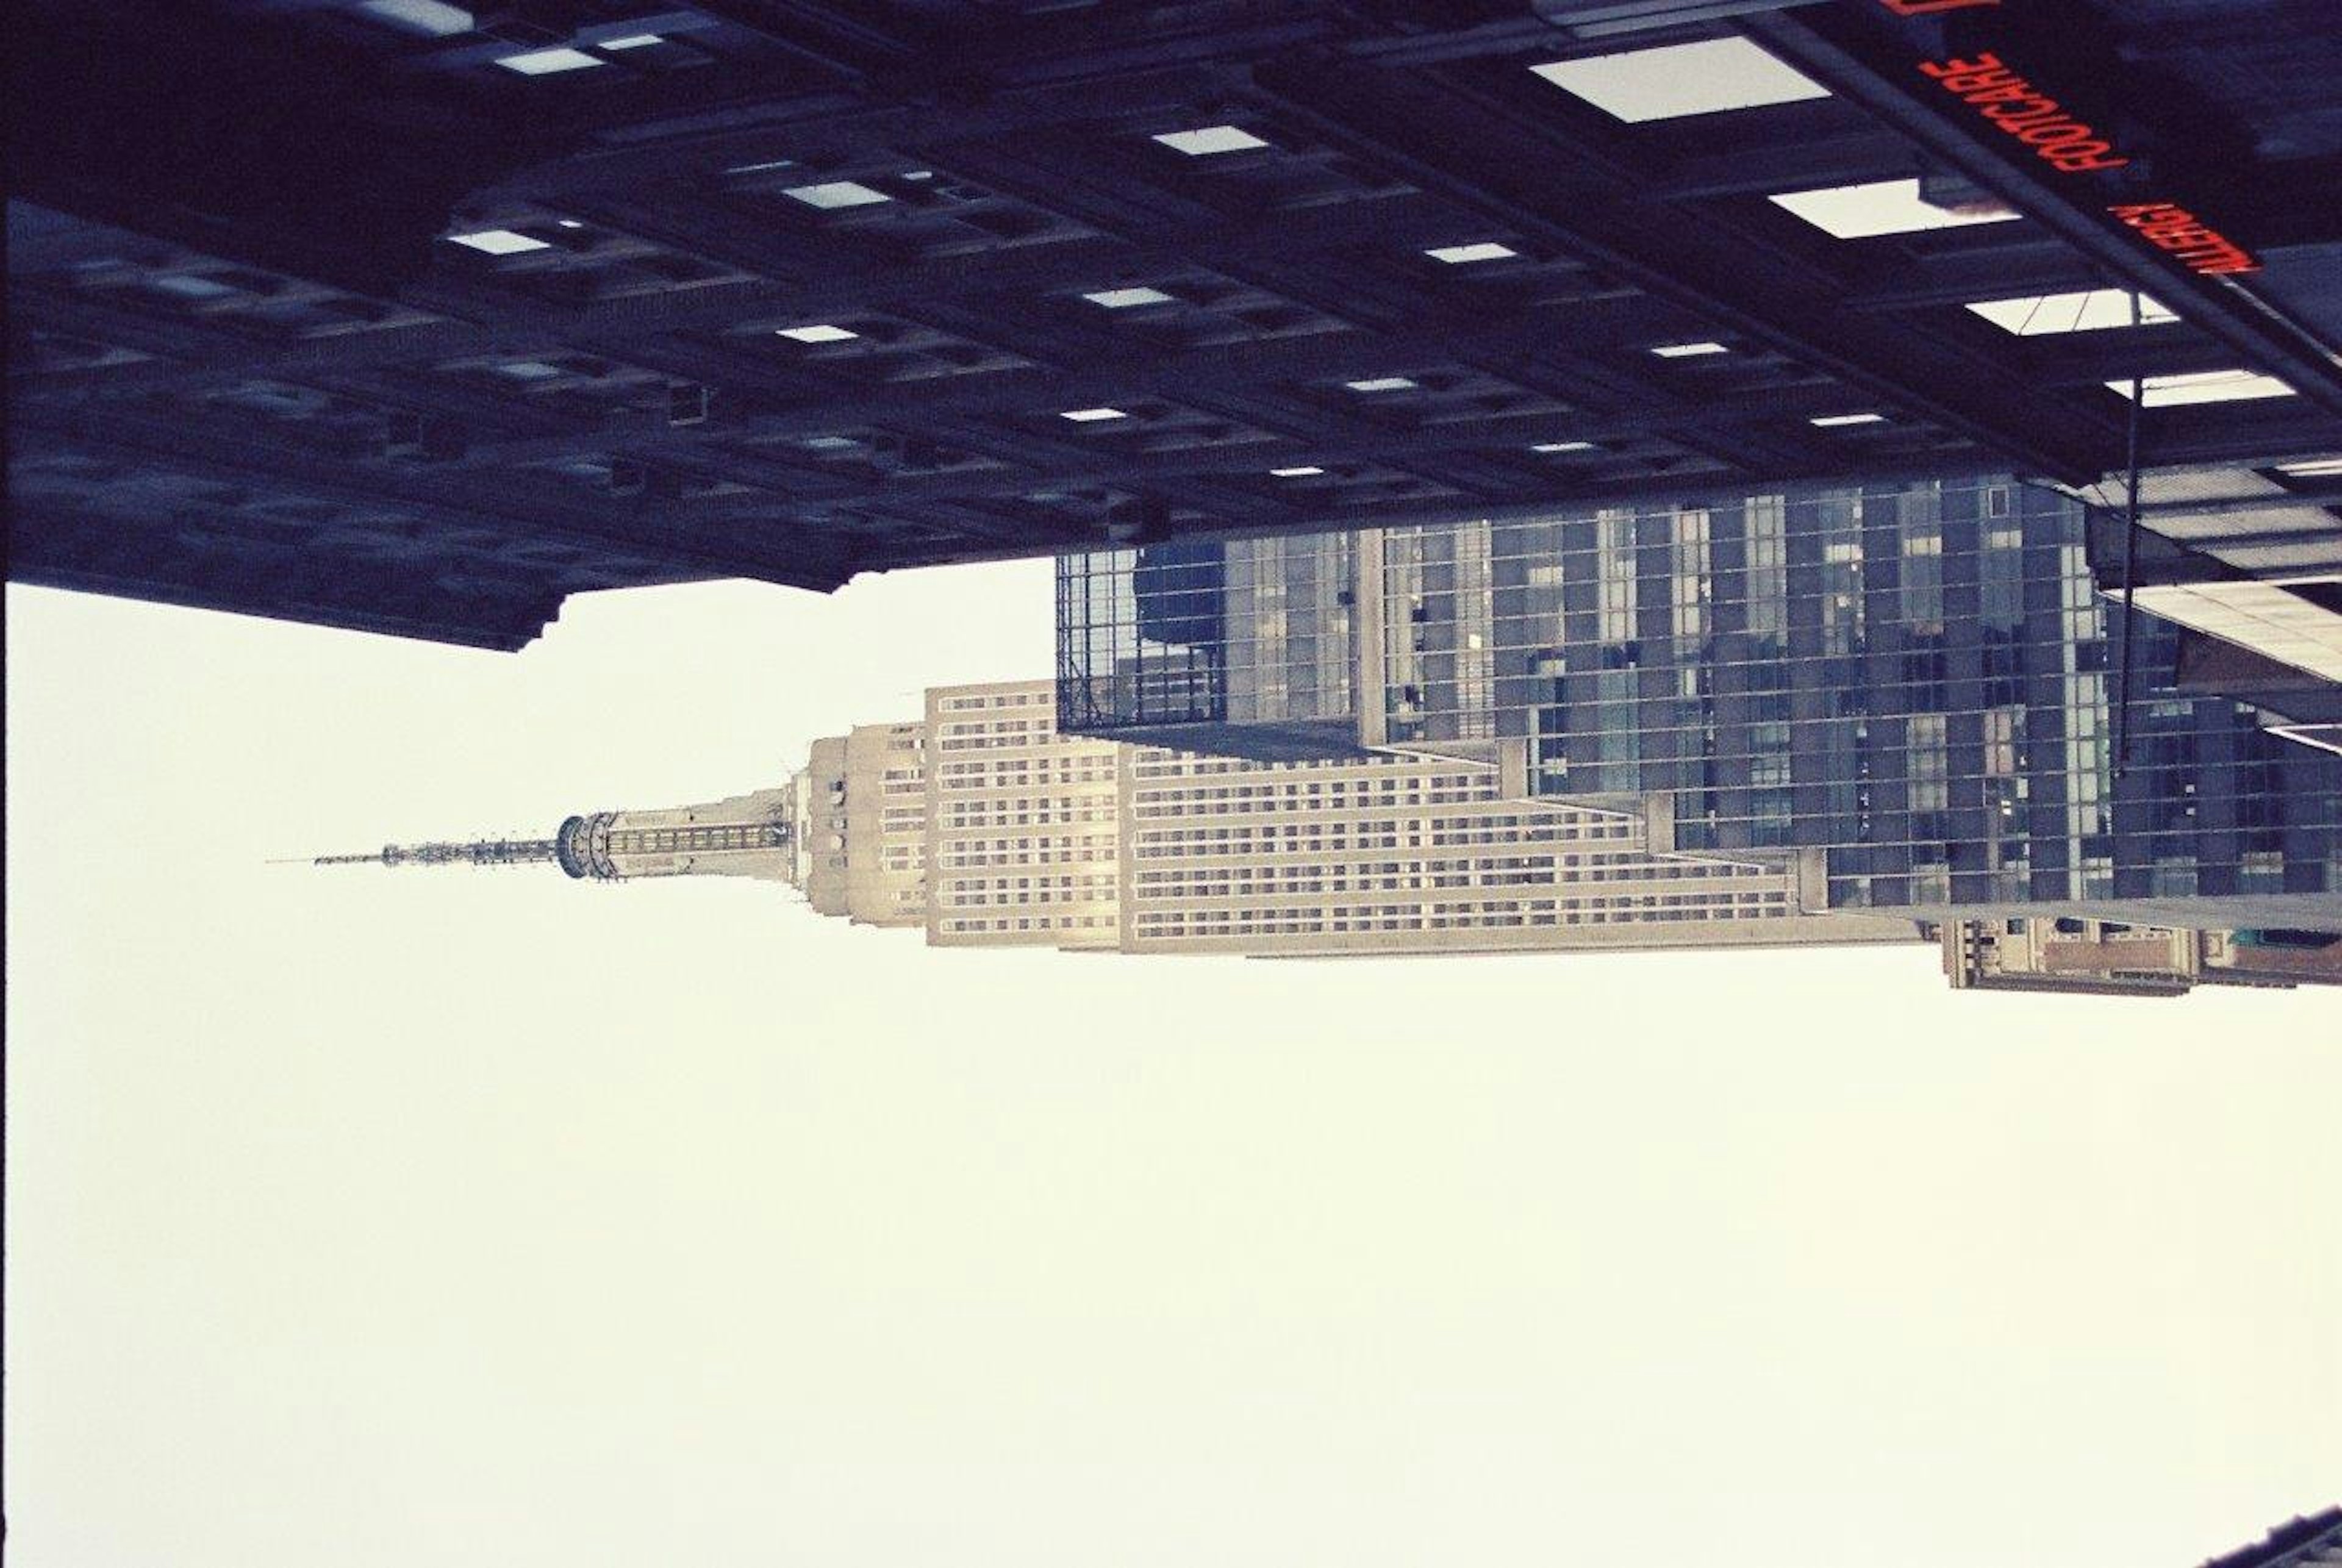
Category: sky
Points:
column 380, row 1217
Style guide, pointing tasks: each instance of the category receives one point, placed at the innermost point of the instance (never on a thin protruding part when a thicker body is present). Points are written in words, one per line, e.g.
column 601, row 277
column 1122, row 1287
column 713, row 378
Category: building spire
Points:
column 746, row 835
column 479, row 852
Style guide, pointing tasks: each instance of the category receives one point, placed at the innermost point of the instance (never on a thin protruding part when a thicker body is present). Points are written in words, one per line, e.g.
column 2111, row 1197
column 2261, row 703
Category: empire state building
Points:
column 981, row 825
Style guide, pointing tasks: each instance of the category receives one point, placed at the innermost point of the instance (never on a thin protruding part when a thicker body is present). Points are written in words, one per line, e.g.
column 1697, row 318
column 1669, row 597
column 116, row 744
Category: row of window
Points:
column 1170, row 926
column 1042, row 739
column 962, row 703
column 949, row 899
column 1295, row 883
column 963, row 776
column 963, row 814
column 961, row 926
column 1315, row 838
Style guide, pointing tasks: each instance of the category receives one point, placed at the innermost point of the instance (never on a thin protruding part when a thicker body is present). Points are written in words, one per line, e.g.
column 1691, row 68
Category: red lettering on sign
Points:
column 2193, row 243
column 2048, row 136
column 2084, row 157
column 2010, row 103
column 1947, row 67
column 2014, row 104
column 1967, row 82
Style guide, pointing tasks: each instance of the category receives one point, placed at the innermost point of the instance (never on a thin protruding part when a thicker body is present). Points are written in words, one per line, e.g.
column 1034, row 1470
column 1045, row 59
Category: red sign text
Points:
column 2193, row 243
column 2004, row 97
column 2014, row 105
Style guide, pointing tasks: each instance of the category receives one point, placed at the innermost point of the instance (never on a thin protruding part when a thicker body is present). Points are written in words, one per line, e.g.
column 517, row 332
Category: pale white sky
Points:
column 374, row 1217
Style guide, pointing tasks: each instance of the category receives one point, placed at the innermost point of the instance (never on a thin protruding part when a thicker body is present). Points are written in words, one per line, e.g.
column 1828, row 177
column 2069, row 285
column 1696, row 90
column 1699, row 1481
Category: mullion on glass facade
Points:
column 1914, row 679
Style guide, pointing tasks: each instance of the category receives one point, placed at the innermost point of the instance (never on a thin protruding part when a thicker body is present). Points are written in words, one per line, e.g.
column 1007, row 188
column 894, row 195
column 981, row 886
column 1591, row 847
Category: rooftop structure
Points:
column 417, row 316
column 2108, row 958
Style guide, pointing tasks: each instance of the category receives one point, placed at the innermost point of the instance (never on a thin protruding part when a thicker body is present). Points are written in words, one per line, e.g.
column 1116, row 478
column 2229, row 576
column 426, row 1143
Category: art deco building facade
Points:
column 1915, row 689
column 985, row 825
column 982, row 824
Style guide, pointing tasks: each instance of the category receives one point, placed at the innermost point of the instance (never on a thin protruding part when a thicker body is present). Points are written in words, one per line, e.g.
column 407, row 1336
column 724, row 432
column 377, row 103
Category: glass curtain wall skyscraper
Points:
column 1917, row 684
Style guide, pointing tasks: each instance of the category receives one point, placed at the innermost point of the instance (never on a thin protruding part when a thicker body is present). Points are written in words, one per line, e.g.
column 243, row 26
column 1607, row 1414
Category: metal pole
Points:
column 2130, row 563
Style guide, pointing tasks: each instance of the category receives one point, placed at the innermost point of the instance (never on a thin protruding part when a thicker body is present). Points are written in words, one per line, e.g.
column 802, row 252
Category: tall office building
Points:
column 984, row 824
column 417, row 316
column 1915, row 690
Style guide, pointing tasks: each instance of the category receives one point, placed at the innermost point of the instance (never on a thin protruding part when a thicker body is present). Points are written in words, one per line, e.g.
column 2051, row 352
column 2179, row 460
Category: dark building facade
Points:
column 1914, row 688
column 2250, row 579
column 2313, row 1540
column 415, row 316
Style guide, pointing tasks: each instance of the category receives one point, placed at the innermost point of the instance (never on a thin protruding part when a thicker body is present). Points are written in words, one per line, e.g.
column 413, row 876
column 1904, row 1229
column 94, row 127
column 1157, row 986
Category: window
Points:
column 500, row 242
column 1882, row 207
column 2205, row 386
column 548, row 62
column 835, row 194
column 1480, row 251
column 1128, row 298
column 1666, row 83
column 429, row 17
column 1207, row 140
column 2091, row 310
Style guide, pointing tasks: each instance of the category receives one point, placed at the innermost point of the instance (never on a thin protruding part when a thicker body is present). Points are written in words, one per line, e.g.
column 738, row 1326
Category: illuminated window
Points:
column 1128, row 298
column 548, row 62
column 2205, row 386
column 500, row 242
column 1681, row 79
column 190, row 285
column 1458, row 256
column 1205, row 140
column 1883, row 207
column 835, row 194
column 2091, row 310
column 428, row 18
